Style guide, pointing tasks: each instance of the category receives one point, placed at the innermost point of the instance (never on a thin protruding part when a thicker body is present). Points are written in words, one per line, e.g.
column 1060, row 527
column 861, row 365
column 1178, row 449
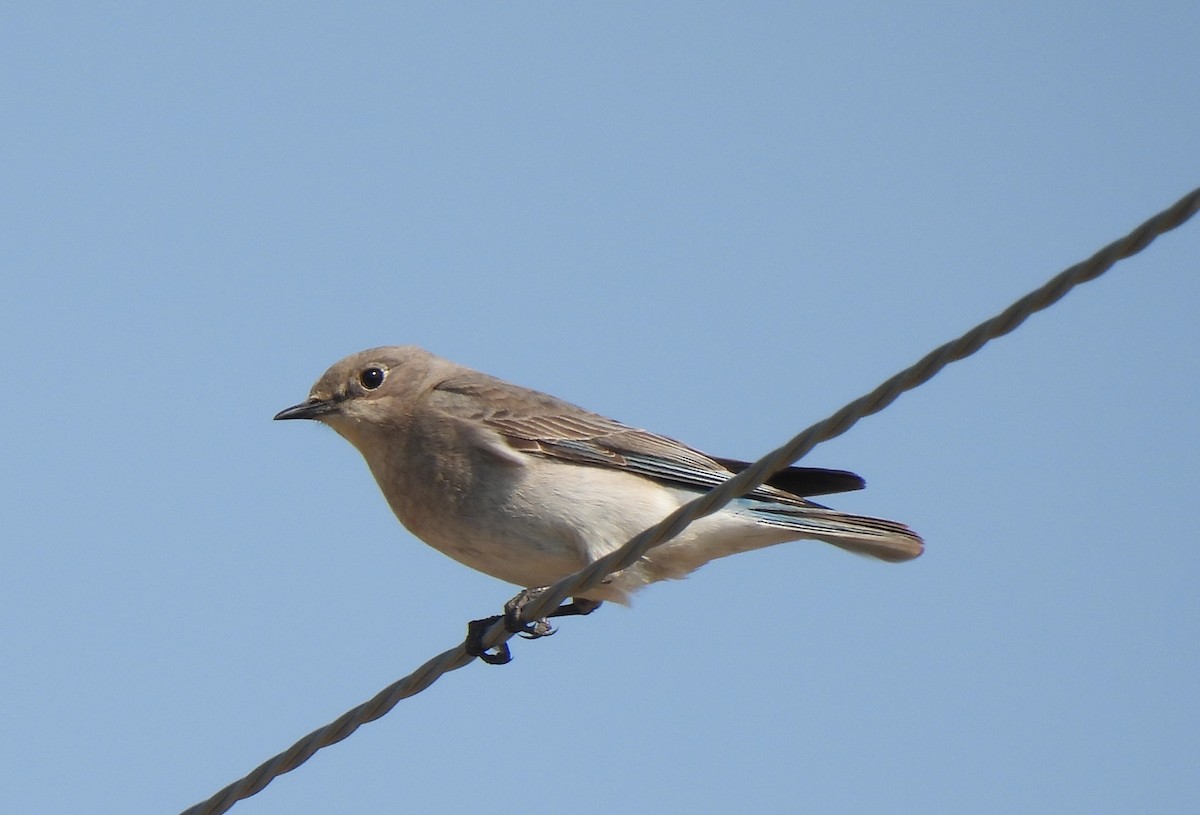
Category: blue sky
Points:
column 717, row 221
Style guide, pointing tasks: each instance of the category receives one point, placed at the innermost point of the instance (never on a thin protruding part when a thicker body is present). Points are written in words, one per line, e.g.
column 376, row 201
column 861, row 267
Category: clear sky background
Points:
column 718, row 221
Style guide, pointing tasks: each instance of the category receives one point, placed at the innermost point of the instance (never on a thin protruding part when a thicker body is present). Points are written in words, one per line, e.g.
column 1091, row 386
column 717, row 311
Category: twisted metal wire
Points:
column 841, row 421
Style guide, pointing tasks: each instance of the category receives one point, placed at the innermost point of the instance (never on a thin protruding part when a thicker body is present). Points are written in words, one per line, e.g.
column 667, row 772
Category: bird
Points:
column 529, row 488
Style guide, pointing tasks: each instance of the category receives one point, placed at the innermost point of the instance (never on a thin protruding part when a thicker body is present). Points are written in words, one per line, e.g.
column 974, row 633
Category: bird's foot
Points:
column 533, row 630
column 474, row 642
column 515, row 625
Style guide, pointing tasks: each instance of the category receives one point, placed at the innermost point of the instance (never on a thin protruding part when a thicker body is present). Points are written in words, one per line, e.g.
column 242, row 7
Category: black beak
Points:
column 310, row 409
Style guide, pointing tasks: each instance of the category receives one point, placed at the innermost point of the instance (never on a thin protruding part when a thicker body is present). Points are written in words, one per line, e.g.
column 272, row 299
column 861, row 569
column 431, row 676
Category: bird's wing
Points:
column 536, row 423
column 804, row 480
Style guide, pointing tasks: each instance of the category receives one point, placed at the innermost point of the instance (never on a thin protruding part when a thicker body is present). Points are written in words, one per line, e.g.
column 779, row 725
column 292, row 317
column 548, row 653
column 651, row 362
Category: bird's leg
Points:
column 541, row 628
column 513, row 623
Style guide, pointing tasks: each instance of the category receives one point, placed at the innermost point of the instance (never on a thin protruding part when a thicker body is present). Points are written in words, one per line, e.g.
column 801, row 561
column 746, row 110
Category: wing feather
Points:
column 536, row 423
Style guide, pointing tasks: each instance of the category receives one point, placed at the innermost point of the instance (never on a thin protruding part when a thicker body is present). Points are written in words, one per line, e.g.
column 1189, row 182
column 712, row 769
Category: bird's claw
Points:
column 533, row 630
column 474, row 642
column 513, row 624
column 536, row 630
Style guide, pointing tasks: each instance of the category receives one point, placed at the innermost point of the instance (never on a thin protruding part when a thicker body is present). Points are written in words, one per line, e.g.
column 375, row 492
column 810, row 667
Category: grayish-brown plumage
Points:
column 528, row 488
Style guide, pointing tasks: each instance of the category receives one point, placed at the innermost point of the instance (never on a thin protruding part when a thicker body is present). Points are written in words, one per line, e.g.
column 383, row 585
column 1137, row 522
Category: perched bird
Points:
column 529, row 488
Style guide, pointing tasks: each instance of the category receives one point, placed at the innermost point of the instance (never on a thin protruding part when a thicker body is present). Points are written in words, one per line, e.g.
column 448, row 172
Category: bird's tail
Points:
column 874, row 537
column 751, row 523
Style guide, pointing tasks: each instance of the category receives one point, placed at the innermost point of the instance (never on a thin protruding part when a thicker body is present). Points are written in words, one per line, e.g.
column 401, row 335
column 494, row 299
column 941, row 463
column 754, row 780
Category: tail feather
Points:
column 803, row 481
column 874, row 537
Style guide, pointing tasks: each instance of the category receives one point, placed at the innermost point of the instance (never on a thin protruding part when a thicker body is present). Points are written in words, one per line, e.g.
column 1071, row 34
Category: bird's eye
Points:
column 371, row 378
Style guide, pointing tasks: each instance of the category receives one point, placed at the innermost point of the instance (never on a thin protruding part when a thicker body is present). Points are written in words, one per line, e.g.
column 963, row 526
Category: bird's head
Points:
column 366, row 393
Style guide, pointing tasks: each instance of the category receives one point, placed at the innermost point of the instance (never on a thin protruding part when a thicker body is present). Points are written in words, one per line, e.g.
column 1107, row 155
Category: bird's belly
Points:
column 516, row 552
column 536, row 524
